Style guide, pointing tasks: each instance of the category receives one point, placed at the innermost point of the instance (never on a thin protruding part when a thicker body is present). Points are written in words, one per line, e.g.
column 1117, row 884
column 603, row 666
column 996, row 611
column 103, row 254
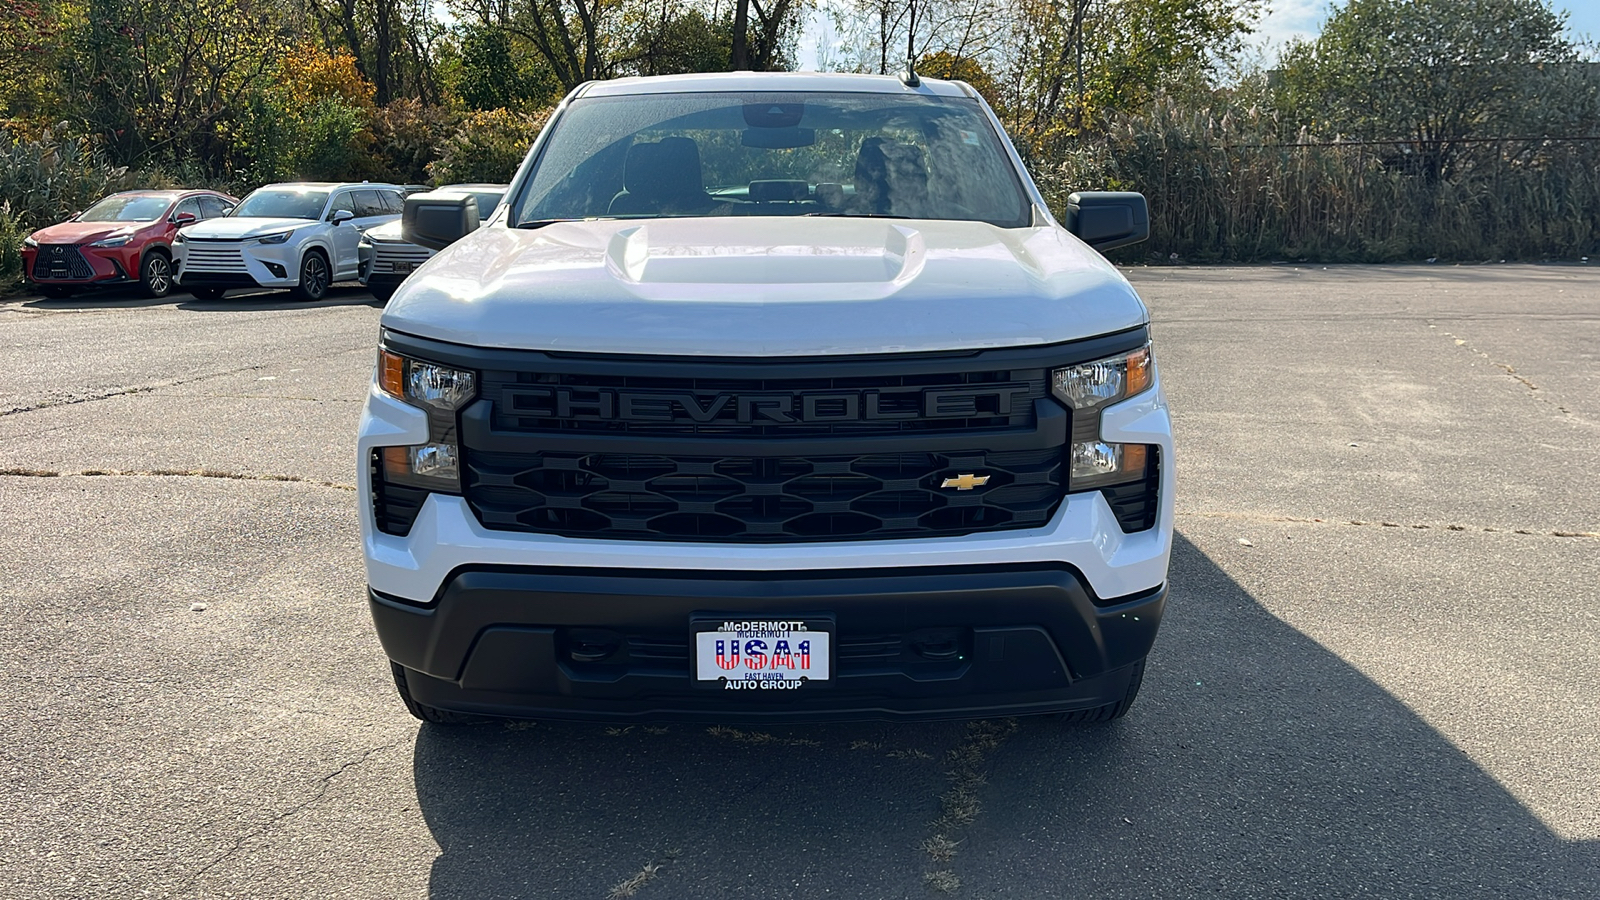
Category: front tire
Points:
column 382, row 292
column 155, row 275
column 315, row 277
column 428, row 713
column 207, row 293
column 1111, row 711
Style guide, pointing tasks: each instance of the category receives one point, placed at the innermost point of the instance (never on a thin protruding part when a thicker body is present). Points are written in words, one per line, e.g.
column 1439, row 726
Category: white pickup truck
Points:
column 768, row 397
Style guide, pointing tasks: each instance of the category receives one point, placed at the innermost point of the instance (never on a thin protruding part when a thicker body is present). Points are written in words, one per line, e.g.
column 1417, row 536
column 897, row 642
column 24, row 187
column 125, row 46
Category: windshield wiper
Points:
column 845, row 215
column 540, row 223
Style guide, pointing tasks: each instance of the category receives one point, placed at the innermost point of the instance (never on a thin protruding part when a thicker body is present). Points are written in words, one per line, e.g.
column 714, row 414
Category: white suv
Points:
column 303, row 236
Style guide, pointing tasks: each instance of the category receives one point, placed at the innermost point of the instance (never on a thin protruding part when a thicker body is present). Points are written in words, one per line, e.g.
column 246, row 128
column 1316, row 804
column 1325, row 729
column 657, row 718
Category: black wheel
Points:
column 1110, row 711
column 155, row 274
column 207, row 293
column 428, row 713
column 314, row 277
column 382, row 292
column 55, row 291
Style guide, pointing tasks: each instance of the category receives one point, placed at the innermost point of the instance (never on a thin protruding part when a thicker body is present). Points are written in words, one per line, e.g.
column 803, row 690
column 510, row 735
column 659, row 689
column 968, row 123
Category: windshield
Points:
column 281, row 203
column 774, row 153
column 124, row 208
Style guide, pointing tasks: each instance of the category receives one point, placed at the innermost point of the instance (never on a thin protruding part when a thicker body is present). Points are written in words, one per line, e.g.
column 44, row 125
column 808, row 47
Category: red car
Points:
column 124, row 238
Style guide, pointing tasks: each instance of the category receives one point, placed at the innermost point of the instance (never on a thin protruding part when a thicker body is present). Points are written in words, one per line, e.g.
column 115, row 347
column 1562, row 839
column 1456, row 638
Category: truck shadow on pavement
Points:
column 1256, row 764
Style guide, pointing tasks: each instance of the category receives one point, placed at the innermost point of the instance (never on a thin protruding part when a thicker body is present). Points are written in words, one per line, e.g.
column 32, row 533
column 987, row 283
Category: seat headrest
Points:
column 667, row 168
column 891, row 177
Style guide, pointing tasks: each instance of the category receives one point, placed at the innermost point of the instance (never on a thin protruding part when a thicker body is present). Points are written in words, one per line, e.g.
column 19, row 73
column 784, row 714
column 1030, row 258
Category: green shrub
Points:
column 406, row 136
column 11, row 235
column 47, row 179
column 487, row 146
column 332, row 140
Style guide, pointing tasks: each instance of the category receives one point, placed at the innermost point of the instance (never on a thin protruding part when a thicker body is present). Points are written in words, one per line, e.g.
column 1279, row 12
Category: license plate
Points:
column 402, row 267
column 764, row 654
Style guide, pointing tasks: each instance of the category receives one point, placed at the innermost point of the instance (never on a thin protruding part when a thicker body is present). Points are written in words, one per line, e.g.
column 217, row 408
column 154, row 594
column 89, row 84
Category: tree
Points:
column 577, row 38
column 31, row 45
column 1074, row 60
column 775, row 25
column 164, row 79
column 489, row 78
column 1432, row 72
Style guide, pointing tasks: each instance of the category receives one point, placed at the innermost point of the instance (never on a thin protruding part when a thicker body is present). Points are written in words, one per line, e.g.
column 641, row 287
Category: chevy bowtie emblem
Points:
column 965, row 482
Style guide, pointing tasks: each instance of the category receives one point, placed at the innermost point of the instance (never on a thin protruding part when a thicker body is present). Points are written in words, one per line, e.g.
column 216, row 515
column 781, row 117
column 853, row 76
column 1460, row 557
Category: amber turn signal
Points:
column 392, row 374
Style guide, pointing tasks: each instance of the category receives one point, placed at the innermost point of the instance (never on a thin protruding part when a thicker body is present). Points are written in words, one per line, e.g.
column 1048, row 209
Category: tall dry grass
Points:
column 1234, row 188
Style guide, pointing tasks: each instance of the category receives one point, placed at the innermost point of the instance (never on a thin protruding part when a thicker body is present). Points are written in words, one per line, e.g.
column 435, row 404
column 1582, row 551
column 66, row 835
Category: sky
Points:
column 1285, row 19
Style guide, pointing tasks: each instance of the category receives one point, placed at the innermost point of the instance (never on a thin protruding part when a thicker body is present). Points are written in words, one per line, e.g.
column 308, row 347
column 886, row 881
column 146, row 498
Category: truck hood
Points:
column 230, row 228
column 88, row 232
column 764, row 287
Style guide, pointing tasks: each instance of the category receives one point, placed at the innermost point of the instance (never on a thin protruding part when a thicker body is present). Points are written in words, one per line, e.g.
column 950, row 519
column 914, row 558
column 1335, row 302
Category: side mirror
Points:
column 1106, row 220
column 341, row 216
column 227, row 210
column 438, row 219
column 183, row 218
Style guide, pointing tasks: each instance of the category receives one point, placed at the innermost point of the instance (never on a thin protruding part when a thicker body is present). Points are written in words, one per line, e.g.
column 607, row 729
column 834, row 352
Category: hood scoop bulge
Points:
column 785, row 259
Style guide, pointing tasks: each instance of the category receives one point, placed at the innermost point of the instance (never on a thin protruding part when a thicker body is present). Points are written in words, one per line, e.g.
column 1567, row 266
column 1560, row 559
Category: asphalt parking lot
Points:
column 1378, row 677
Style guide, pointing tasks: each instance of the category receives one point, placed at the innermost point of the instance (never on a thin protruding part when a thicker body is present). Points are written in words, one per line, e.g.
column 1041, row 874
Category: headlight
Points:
column 1096, row 464
column 1087, row 388
column 278, row 238
column 112, row 242
column 1105, row 381
column 425, row 384
column 29, row 242
column 441, row 391
column 177, row 237
column 434, row 466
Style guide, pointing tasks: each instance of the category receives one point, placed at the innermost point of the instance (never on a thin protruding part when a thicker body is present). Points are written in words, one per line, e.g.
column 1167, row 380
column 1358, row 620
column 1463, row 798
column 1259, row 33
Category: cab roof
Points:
column 329, row 185
column 709, row 82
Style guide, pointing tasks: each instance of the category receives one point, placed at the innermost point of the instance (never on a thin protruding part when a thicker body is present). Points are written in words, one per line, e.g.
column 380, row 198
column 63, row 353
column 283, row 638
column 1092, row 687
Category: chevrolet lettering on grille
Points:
column 823, row 406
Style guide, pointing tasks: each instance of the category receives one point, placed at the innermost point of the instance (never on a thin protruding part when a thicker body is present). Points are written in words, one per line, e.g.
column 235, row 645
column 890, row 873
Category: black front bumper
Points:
column 950, row 642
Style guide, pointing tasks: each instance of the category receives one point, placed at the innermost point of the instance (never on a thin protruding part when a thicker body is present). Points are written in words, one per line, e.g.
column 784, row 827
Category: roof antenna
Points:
column 909, row 76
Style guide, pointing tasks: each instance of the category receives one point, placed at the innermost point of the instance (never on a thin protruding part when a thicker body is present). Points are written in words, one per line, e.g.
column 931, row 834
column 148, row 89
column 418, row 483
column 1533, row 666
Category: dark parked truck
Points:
column 768, row 397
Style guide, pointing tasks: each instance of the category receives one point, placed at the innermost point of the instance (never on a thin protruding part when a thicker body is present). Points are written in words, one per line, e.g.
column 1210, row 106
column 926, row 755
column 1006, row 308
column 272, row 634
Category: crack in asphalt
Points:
column 322, row 791
column 173, row 473
column 1420, row 526
column 1511, row 372
column 123, row 392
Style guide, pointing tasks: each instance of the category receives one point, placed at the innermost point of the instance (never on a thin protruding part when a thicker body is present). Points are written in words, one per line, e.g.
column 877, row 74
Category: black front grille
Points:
column 394, row 506
column 751, row 450
column 1136, row 504
column 749, row 498
column 61, row 262
column 880, row 403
